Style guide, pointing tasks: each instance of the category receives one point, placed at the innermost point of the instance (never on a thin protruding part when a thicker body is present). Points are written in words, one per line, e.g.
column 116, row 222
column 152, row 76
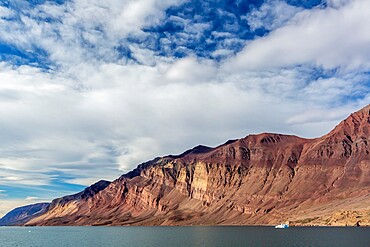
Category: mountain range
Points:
column 260, row 179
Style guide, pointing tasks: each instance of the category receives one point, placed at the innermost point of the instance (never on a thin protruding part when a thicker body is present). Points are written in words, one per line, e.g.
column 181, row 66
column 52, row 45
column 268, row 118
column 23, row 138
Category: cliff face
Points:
column 259, row 179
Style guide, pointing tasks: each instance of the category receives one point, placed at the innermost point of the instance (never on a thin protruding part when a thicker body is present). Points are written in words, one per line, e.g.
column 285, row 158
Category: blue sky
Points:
column 89, row 89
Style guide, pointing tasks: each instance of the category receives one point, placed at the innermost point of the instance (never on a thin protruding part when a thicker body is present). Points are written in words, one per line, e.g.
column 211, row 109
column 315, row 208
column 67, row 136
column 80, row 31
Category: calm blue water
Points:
column 183, row 236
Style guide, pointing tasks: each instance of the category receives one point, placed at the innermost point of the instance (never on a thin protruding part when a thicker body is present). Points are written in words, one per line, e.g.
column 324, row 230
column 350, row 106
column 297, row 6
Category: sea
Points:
column 201, row 236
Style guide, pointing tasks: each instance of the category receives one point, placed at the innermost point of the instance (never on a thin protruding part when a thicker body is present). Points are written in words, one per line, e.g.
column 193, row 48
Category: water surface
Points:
column 183, row 236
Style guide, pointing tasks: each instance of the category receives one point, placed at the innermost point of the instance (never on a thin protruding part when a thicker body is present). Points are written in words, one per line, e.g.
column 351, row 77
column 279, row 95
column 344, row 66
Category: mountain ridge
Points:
column 20, row 215
column 259, row 179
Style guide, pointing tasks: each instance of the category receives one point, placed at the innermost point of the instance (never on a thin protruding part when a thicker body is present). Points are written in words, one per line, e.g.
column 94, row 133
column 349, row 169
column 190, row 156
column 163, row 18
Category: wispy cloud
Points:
column 32, row 198
column 5, row 12
column 271, row 15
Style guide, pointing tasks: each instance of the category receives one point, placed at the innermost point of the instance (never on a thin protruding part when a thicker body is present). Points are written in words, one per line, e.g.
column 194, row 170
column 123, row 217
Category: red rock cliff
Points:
column 259, row 179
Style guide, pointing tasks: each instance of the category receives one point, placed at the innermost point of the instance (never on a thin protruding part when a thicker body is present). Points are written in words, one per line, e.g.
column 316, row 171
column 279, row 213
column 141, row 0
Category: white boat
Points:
column 282, row 226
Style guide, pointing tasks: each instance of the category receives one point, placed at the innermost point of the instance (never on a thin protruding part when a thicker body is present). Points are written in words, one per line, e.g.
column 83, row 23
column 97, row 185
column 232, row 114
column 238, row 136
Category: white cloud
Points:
column 327, row 37
column 87, row 181
column 191, row 71
column 32, row 198
column 271, row 15
column 337, row 3
column 5, row 12
column 318, row 116
column 83, row 30
column 139, row 150
column 222, row 53
column 17, row 177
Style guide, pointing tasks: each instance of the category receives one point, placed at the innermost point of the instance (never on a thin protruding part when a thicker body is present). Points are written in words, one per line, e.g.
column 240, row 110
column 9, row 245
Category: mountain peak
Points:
column 366, row 108
column 195, row 150
column 361, row 114
column 355, row 125
column 260, row 179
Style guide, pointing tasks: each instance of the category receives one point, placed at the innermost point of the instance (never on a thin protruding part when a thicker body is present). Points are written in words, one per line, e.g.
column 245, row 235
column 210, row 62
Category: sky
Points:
column 89, row 89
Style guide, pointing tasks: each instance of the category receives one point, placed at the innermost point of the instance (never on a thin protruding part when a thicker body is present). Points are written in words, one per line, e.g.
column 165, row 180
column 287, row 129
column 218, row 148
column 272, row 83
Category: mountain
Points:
column 260, row 179
column 19, row 216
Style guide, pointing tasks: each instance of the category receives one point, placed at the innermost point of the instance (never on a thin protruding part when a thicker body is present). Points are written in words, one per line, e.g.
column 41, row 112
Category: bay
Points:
column 183, row 236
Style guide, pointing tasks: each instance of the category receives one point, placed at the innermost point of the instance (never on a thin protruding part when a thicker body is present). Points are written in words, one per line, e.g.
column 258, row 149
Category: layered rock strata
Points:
column 260, row 179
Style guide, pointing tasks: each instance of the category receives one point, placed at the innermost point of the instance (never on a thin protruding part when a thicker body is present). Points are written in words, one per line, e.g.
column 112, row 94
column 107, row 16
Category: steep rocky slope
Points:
column 259, row 179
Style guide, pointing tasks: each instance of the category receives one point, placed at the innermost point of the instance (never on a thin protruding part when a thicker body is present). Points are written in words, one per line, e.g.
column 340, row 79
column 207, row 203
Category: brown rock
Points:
column 260, row 179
